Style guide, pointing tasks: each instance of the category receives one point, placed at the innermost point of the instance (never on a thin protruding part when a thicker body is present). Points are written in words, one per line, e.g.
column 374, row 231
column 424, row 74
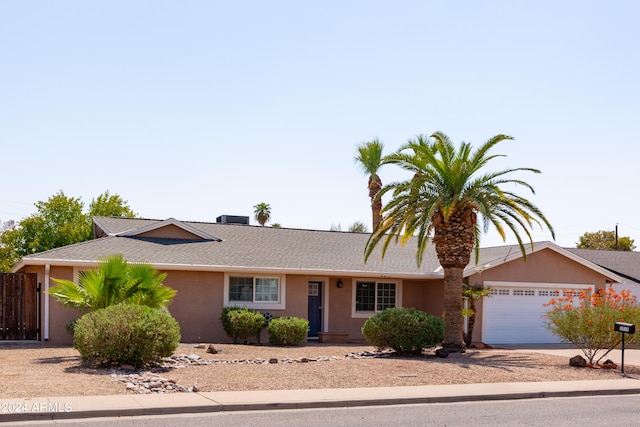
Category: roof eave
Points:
column 225, row 268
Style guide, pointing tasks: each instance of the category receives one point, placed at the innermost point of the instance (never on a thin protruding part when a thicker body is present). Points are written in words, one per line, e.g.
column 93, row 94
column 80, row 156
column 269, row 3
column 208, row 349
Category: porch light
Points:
column 340, row 283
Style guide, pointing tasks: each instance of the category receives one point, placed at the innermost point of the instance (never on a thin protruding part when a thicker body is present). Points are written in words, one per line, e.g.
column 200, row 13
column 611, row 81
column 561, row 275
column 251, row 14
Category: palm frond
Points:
column 447, row 181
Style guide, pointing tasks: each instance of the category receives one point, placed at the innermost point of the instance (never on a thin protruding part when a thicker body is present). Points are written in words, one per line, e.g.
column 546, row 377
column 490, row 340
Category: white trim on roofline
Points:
column 100, row 226
column 226, row 268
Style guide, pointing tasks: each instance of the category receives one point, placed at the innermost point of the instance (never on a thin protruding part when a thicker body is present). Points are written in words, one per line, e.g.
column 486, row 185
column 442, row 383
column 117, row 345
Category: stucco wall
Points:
column 197, row 305
column 421, row 294
column 340, row 300
column 425, row 295
column 546, row 266
column 169, row 232
column 199, row 302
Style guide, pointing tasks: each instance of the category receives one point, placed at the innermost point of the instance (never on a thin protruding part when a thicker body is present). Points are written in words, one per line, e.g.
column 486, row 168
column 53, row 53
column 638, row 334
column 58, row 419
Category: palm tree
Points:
column 369, row 157
column 114, row 282
column 442, row 201
column 262, row 212
column 472, row 294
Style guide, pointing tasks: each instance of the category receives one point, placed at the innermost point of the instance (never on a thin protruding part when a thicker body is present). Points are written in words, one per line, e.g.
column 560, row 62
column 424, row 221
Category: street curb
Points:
column 217, row 406
column 231, row 407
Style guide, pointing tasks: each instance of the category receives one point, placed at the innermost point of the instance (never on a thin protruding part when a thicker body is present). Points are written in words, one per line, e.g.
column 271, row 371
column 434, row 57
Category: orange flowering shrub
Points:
column 587, row 320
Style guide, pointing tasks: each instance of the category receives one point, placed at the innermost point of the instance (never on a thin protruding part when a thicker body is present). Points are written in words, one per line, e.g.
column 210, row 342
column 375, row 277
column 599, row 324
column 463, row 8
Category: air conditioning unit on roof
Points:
column 233, row 219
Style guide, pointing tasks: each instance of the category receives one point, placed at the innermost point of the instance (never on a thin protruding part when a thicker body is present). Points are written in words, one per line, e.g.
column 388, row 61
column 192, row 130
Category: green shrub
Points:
column 287, row 330
column 242, row 323
column 406, row 330
column 70, row 325
column 126, row 334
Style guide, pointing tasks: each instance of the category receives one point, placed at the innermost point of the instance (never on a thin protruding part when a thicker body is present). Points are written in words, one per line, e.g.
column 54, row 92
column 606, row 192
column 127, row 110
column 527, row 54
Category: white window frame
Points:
column 259, row 305
column 366, row 314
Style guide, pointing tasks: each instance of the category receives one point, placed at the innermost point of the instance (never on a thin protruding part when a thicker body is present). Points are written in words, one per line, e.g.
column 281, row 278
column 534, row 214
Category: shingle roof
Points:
column 247, row 247
column 623, row 263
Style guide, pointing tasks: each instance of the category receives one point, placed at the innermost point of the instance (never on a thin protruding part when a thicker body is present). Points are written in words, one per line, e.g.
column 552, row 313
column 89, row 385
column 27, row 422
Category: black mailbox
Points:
column 627, row 328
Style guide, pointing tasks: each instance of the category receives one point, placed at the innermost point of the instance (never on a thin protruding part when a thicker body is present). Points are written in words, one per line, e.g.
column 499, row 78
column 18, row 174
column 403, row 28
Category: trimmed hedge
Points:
column 242, row 323
column 288, row 330
column 406, row 330
column 126, row 334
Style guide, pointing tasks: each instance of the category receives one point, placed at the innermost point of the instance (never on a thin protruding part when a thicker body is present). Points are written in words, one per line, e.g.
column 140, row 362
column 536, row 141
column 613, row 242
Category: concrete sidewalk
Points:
column 181, row 403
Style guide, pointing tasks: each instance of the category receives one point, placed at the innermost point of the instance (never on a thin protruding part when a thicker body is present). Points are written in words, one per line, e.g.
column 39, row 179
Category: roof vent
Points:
column 233, row 219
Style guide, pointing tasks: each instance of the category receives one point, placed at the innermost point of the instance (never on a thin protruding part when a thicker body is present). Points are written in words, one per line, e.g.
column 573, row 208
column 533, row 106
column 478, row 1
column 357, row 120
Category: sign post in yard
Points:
column 624, row 328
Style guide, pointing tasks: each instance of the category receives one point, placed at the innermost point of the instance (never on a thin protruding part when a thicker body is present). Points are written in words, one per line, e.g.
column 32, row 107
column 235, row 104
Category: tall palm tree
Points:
column 442, row 202
column 114, row 282
column 369, row 158
column 262, row 212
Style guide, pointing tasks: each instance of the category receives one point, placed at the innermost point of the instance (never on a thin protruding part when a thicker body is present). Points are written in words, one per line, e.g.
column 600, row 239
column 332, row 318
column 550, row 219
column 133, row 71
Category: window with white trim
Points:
column 250, row 289
column 375, row 296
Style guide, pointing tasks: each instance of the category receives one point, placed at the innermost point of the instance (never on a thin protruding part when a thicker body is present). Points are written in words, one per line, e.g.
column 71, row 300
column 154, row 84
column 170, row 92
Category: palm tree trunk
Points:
column 376, row 209
column 453, row 321
column 470, row 323
column 375, row 185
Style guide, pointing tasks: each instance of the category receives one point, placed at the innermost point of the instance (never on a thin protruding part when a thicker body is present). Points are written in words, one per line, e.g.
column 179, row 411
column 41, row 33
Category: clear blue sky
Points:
column 193, row 109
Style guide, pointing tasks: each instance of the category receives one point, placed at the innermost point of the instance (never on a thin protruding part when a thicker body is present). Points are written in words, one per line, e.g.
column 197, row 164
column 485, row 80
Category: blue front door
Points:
column 315, row 308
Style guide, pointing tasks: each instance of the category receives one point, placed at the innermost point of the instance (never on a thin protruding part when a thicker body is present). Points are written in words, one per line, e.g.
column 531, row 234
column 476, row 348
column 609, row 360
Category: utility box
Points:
column 627, row 328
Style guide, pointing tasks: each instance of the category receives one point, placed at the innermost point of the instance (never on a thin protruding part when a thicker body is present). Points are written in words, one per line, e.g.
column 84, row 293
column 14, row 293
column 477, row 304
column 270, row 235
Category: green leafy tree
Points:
column 262, row 212
column 472, row 295
column 110, row 205
column 442, row 201
column 605, row 240
column 114, row 282
column 370, row 159
column 59, row 221
column 587, row 321
column 7, row 255
column 358, row 227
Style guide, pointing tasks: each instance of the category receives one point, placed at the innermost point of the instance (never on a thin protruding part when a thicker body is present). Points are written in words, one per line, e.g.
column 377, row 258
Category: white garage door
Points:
column 513, row 314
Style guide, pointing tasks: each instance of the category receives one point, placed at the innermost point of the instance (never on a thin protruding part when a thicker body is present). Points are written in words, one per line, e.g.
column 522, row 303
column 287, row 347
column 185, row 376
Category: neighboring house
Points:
column 623, row 263
column 318, row 275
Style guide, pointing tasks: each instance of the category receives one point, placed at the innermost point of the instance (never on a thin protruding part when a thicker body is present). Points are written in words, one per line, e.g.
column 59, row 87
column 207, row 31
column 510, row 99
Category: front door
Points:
column 315, row 308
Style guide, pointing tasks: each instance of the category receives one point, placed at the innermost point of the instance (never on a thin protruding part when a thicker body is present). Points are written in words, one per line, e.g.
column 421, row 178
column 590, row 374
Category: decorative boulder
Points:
column 211, row 349
column 578, row 361
column 608, row 364
column 442, row 353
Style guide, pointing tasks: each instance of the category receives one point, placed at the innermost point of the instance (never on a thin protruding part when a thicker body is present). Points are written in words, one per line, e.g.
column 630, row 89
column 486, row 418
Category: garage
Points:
column 513, row 312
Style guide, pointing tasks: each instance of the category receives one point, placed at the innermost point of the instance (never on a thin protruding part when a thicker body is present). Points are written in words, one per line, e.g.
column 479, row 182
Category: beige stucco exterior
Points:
column 201, row 294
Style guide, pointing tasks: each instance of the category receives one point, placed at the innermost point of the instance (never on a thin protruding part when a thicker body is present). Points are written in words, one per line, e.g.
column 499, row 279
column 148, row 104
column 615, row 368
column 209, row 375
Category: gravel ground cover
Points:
column 38, row 370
